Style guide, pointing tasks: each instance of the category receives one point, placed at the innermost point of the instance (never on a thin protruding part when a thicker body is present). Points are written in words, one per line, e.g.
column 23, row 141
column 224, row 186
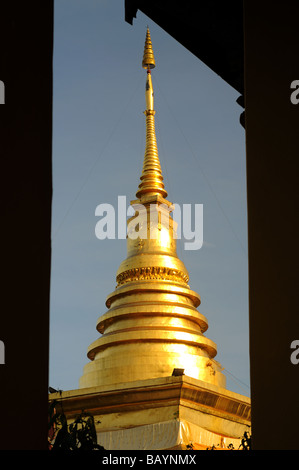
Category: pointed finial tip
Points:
column 148, row 61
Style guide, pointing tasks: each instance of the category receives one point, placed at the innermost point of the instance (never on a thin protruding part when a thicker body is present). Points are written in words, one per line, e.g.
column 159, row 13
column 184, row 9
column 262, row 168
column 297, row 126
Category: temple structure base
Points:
column 168, row 413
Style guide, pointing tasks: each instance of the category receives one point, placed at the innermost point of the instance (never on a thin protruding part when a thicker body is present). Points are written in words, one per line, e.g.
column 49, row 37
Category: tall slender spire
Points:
column 151, row 177
column 152, row 324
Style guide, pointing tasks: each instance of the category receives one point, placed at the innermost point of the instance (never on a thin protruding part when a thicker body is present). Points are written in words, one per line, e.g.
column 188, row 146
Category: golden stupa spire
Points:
column 152, row 324
column 151, row 177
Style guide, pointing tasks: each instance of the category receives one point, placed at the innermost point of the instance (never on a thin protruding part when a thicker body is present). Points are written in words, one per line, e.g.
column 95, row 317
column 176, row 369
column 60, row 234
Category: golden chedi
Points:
column 152, row 325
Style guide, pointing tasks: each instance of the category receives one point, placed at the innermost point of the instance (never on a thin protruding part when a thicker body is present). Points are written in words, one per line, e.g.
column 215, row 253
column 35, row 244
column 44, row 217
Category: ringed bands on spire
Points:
column 151, row 177
column 148, row 61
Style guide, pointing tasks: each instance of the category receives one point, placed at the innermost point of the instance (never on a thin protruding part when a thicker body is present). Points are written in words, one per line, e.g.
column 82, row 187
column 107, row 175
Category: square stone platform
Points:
column 168, row 413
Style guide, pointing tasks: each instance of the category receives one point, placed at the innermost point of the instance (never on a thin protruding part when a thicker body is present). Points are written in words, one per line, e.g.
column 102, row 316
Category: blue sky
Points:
column 98, row 146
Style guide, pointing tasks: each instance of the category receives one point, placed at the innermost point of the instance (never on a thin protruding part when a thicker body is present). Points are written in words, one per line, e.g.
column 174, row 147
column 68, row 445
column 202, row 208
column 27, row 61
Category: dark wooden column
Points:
column 272, row 148
column 26, row 37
